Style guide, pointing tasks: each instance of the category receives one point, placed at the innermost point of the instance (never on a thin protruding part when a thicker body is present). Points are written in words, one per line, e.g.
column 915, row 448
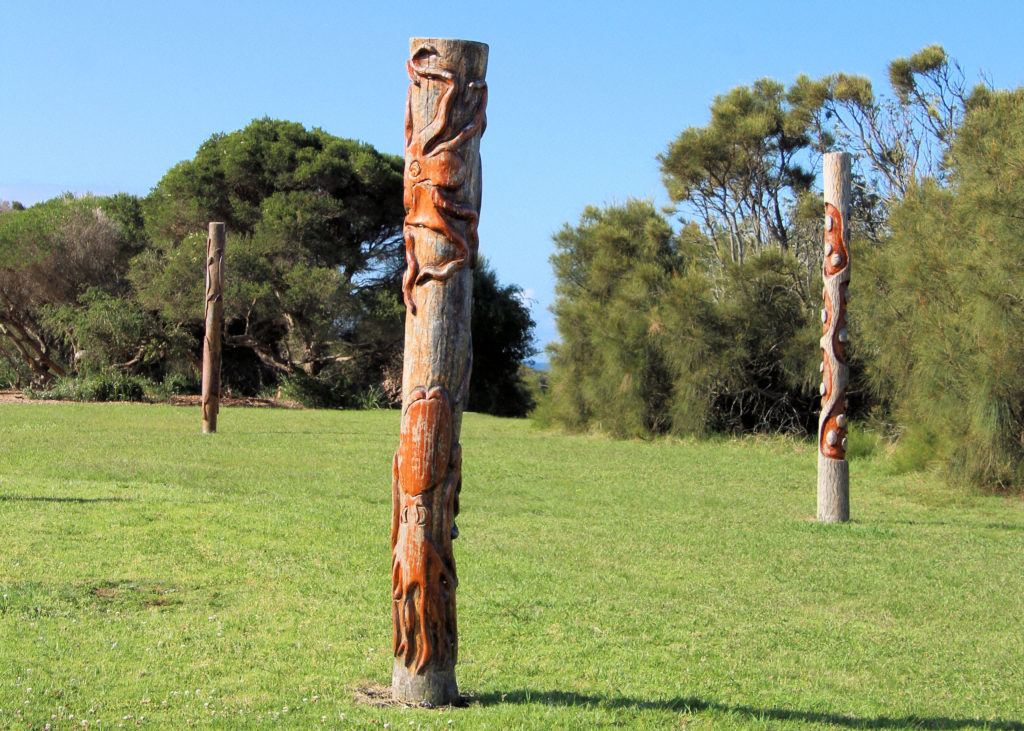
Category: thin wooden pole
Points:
column 214, row 326
column 444, row 119
column 833, row 469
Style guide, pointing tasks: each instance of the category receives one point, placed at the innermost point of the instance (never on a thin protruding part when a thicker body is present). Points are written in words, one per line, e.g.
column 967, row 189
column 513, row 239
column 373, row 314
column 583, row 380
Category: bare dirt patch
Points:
column 380, row 695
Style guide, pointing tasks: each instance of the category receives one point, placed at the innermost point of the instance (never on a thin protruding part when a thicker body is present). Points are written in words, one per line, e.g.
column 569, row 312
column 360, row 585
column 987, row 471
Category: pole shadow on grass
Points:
column 694, row 704
column 946, row 524
column 79, row 500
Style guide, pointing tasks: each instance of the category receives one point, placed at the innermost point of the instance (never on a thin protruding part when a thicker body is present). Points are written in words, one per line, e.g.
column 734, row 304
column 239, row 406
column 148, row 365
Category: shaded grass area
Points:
column 150, row 575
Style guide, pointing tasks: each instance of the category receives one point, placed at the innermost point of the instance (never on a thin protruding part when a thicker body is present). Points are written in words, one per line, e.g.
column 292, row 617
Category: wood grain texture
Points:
column 834, row 481
column 833, row 490
column 212, row 342
column 445, row 117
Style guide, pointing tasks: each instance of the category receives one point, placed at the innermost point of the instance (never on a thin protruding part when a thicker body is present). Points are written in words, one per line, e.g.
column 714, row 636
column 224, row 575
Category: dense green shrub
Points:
column 943, row 317
column 607, row 372
column 502, row 332
column 333, row 390
column 653, row 340
column 101, row 387
column 743, row 348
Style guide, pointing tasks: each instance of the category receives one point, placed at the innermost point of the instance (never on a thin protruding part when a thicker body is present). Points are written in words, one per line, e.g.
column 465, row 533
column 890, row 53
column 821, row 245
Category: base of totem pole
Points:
column 833, row 490
column 432, row 687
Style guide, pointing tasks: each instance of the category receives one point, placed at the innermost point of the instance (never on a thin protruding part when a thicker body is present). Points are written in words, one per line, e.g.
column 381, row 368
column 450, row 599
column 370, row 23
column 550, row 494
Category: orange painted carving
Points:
column 832, row 425
column 426, row 479
column 437, row 196
column 426, row 440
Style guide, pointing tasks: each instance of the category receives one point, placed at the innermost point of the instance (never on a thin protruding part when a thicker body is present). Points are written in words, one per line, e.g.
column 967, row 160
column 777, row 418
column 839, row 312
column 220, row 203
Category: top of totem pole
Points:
column 472, row 55
column 836, row 170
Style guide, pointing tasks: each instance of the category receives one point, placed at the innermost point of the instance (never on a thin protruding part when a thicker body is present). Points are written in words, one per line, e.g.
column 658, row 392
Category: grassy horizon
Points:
column 154, row 576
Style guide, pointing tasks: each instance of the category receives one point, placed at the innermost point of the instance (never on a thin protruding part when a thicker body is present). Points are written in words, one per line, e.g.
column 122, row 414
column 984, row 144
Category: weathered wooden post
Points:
column 833, row 469
column 444, row 119
column 214, row 326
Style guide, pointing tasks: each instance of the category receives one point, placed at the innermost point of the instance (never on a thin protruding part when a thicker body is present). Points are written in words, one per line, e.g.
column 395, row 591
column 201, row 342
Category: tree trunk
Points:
column 214, row 326
column 833, row 470
column 444, row 119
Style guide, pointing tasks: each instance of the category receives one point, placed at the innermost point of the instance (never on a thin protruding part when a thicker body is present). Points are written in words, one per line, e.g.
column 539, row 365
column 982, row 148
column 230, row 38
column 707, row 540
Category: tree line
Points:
column 712, row 324
column 112, row 287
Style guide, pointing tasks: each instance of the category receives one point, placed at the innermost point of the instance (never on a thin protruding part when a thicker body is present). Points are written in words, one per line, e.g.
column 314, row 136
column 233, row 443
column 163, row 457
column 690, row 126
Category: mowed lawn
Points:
column 153, row 576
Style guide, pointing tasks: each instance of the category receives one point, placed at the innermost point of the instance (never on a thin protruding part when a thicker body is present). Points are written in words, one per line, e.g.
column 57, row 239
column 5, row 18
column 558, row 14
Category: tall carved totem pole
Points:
column 444, row 119
column 214, row 326
column 833, row 469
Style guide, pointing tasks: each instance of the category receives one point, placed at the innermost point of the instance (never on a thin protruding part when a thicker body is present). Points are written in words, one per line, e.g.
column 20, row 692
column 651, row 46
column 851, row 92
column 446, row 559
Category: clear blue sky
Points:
column 106, row 96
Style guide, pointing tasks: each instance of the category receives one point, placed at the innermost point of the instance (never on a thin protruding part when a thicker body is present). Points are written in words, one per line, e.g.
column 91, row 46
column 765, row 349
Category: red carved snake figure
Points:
column 422, row 564
column 833, row 423
column 435, row 172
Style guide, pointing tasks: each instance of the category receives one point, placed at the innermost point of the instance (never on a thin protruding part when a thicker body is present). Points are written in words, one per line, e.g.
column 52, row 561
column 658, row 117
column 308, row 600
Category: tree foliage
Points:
column 51, row 252
column 502, row 332
column 611, row 271
column 112, row 288
column 741, row 175
column 942, row 316
column 652, row 340
column 899, row 141
column 313, row 250
column 720, row 331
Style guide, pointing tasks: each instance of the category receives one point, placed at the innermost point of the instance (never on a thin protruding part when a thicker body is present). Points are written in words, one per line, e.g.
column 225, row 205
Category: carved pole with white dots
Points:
column 833, row 469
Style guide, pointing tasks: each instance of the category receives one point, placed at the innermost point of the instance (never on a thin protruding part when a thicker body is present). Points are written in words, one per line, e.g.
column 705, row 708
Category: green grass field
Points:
column 153, row 576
